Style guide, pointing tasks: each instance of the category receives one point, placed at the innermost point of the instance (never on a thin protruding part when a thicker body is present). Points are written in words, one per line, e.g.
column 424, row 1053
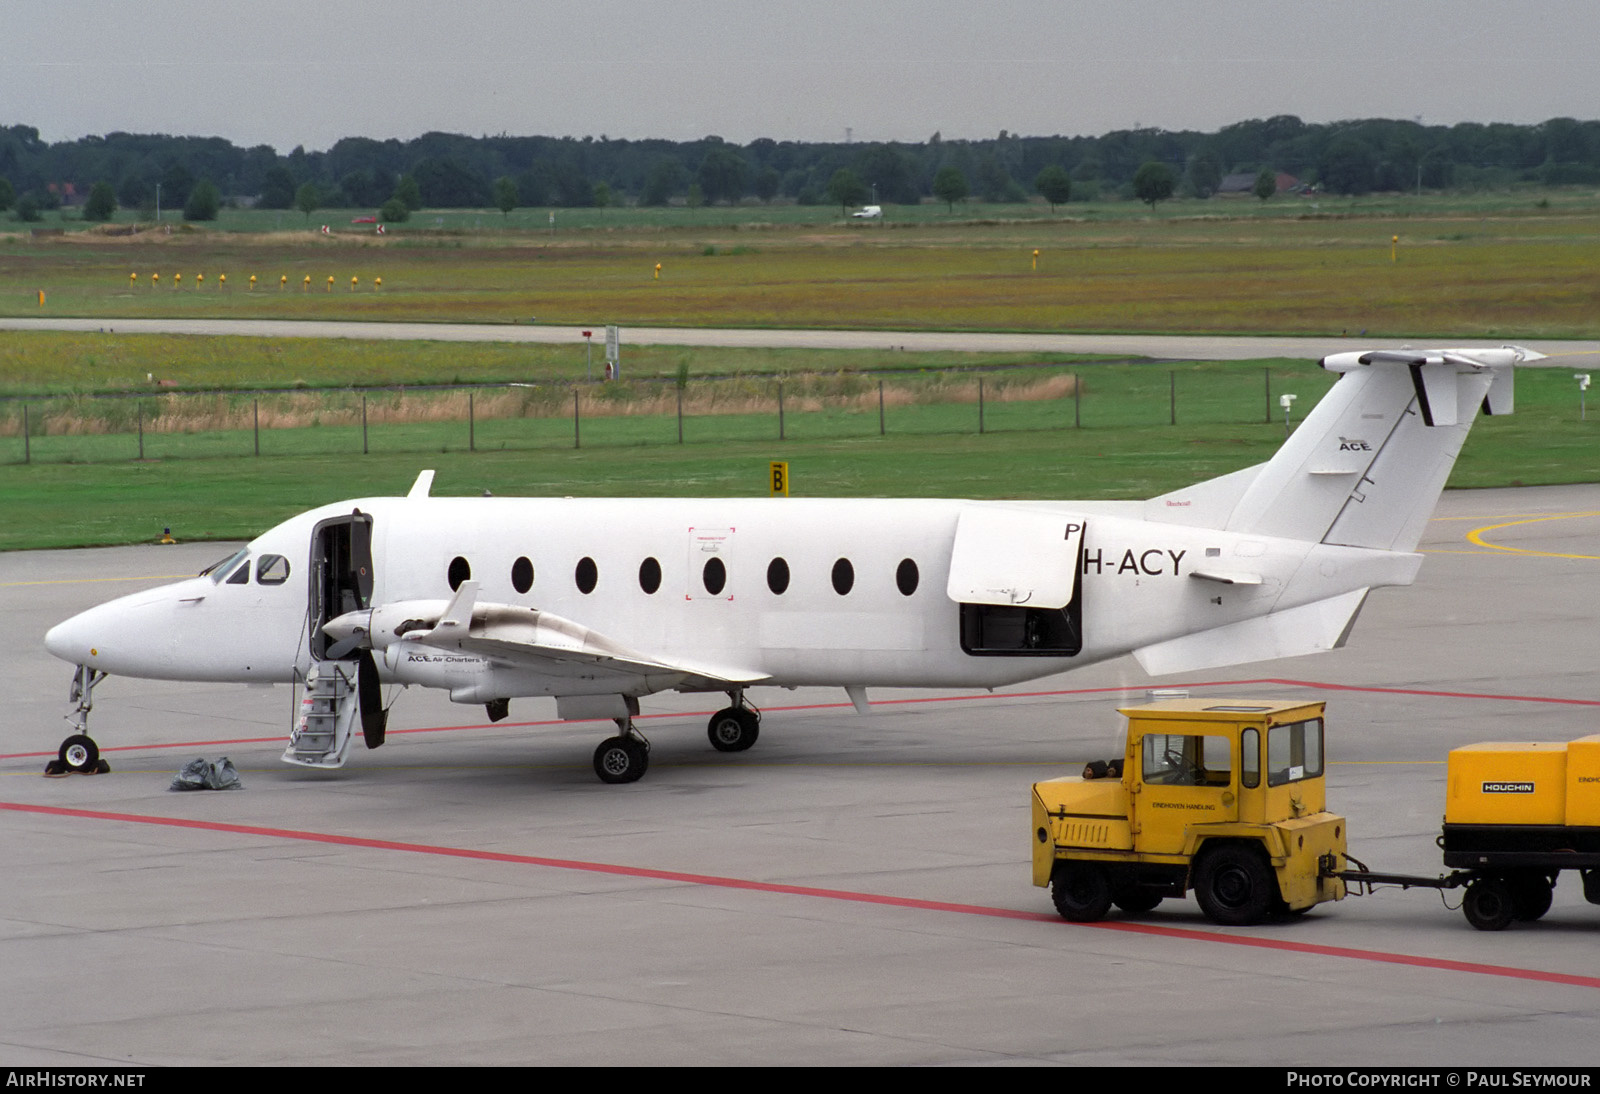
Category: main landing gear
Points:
column 626, row 757
column 734, row 728
column 623, row 758
column 79, row 754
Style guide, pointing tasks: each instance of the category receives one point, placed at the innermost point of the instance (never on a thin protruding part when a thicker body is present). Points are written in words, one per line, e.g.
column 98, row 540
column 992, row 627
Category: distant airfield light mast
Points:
column 1583, row 386
column 1287, row 402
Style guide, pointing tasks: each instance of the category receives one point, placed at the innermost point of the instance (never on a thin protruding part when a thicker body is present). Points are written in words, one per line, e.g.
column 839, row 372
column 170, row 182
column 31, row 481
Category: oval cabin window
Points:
column 778, row 576
column 587, row 575
column 650, row 575
column 844, row 576
column 715, row 576
column 522, row 575
column 906, row 577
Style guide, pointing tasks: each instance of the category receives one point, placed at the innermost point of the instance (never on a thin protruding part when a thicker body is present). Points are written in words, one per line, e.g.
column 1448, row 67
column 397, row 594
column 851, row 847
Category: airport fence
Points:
column 164, row 425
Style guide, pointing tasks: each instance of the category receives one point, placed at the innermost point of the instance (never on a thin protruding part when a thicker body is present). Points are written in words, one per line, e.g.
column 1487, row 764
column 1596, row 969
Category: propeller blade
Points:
column 340, row 649
column 369, row 697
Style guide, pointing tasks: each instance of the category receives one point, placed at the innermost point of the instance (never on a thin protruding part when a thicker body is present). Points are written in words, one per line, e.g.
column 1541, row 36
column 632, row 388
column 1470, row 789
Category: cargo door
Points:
column 1014, row 573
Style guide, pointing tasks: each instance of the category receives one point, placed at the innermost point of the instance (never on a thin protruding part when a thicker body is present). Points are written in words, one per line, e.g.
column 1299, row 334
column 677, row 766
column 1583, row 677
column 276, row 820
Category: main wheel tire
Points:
column 621, row 760
column 1235, row 886
column 1137, row 901
column 79, row 753
column 1489, row 904
column 1081, row 891
column 733, row 729
column 1531, row 895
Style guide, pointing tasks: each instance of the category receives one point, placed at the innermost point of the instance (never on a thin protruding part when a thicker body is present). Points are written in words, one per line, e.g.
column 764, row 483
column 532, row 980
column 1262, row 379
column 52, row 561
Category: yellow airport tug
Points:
column 1228, row 797
column 1223, row 796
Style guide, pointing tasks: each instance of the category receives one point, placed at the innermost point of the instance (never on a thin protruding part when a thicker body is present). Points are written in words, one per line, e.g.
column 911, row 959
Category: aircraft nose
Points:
column 69, row 640
column 121, row 636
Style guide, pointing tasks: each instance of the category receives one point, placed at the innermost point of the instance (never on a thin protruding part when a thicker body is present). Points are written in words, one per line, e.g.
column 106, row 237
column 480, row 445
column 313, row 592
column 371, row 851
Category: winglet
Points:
column 420, row 488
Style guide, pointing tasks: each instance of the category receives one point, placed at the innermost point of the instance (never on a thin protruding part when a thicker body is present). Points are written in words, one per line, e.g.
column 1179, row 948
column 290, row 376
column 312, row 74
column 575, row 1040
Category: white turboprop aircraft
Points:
column 599, row 602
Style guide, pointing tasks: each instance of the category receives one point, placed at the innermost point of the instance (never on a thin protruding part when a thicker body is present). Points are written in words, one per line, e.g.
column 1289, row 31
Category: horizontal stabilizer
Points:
column 1365, row 467
column 1310, row 628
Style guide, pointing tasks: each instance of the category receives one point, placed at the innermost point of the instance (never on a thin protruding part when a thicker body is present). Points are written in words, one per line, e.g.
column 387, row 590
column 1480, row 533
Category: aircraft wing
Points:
column 541, row 641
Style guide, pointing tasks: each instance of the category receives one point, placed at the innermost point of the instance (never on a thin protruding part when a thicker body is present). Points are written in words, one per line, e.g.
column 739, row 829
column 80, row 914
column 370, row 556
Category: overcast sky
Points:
column 308, row 72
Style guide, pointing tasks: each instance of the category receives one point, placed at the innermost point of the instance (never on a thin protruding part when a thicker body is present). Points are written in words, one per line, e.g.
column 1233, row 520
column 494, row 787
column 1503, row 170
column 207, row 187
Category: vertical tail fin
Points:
column 1367, row 465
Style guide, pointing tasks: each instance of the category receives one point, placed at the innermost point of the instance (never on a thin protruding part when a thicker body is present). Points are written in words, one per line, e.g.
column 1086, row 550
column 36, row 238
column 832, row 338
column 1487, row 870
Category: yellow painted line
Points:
column 95, row 580
column 1477, row 534
column 1520, row 516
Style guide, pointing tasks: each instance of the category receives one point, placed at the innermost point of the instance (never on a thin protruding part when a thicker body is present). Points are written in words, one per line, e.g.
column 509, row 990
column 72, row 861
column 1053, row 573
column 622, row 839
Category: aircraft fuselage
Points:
column 796, row 591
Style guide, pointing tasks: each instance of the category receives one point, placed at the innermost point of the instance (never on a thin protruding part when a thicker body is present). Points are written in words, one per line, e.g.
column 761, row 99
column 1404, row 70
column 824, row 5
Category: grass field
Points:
column 38, row 363
column 206, row 485
column 1499, row 267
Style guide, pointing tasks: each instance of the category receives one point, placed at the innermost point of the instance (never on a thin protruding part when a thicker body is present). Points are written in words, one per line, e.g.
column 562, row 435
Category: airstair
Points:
column 329, row 713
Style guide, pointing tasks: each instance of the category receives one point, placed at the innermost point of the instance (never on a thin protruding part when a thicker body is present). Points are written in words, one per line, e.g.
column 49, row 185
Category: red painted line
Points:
column 1266, row 681
column 713, row 880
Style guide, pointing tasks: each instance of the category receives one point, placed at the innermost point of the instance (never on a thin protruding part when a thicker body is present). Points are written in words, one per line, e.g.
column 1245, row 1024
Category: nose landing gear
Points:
column 79, row 754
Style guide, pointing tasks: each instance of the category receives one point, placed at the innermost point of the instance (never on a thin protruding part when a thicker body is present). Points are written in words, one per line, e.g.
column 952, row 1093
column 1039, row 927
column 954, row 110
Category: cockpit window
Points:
column 219, row 570
column 241, row 576
column 272, row 570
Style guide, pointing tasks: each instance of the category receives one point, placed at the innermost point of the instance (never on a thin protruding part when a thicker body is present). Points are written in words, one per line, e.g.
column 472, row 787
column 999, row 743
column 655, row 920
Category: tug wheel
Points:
column 1081, row 891
column 1235, row 886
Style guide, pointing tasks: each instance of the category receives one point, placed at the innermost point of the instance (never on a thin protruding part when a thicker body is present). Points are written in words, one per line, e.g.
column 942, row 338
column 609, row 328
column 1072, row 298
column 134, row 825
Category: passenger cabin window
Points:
column 844, row 576
column 1187, row 759
column 272, row 570
column 650, row 576
column 1294, row 752
column 906, row 577
column 522, row 575
column 460, row 570
column 715, row 576
column 778, row 576
column 587, row 575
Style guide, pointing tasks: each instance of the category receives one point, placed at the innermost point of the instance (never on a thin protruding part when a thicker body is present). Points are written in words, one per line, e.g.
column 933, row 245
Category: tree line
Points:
column 445, row 170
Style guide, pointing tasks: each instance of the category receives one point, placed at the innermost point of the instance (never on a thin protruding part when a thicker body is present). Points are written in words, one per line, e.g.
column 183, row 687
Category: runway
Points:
column 855, row 890
column 1158, row 346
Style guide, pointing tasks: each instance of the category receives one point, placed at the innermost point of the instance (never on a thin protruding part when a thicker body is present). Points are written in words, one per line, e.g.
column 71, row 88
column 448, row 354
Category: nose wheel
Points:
column 79, row 755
